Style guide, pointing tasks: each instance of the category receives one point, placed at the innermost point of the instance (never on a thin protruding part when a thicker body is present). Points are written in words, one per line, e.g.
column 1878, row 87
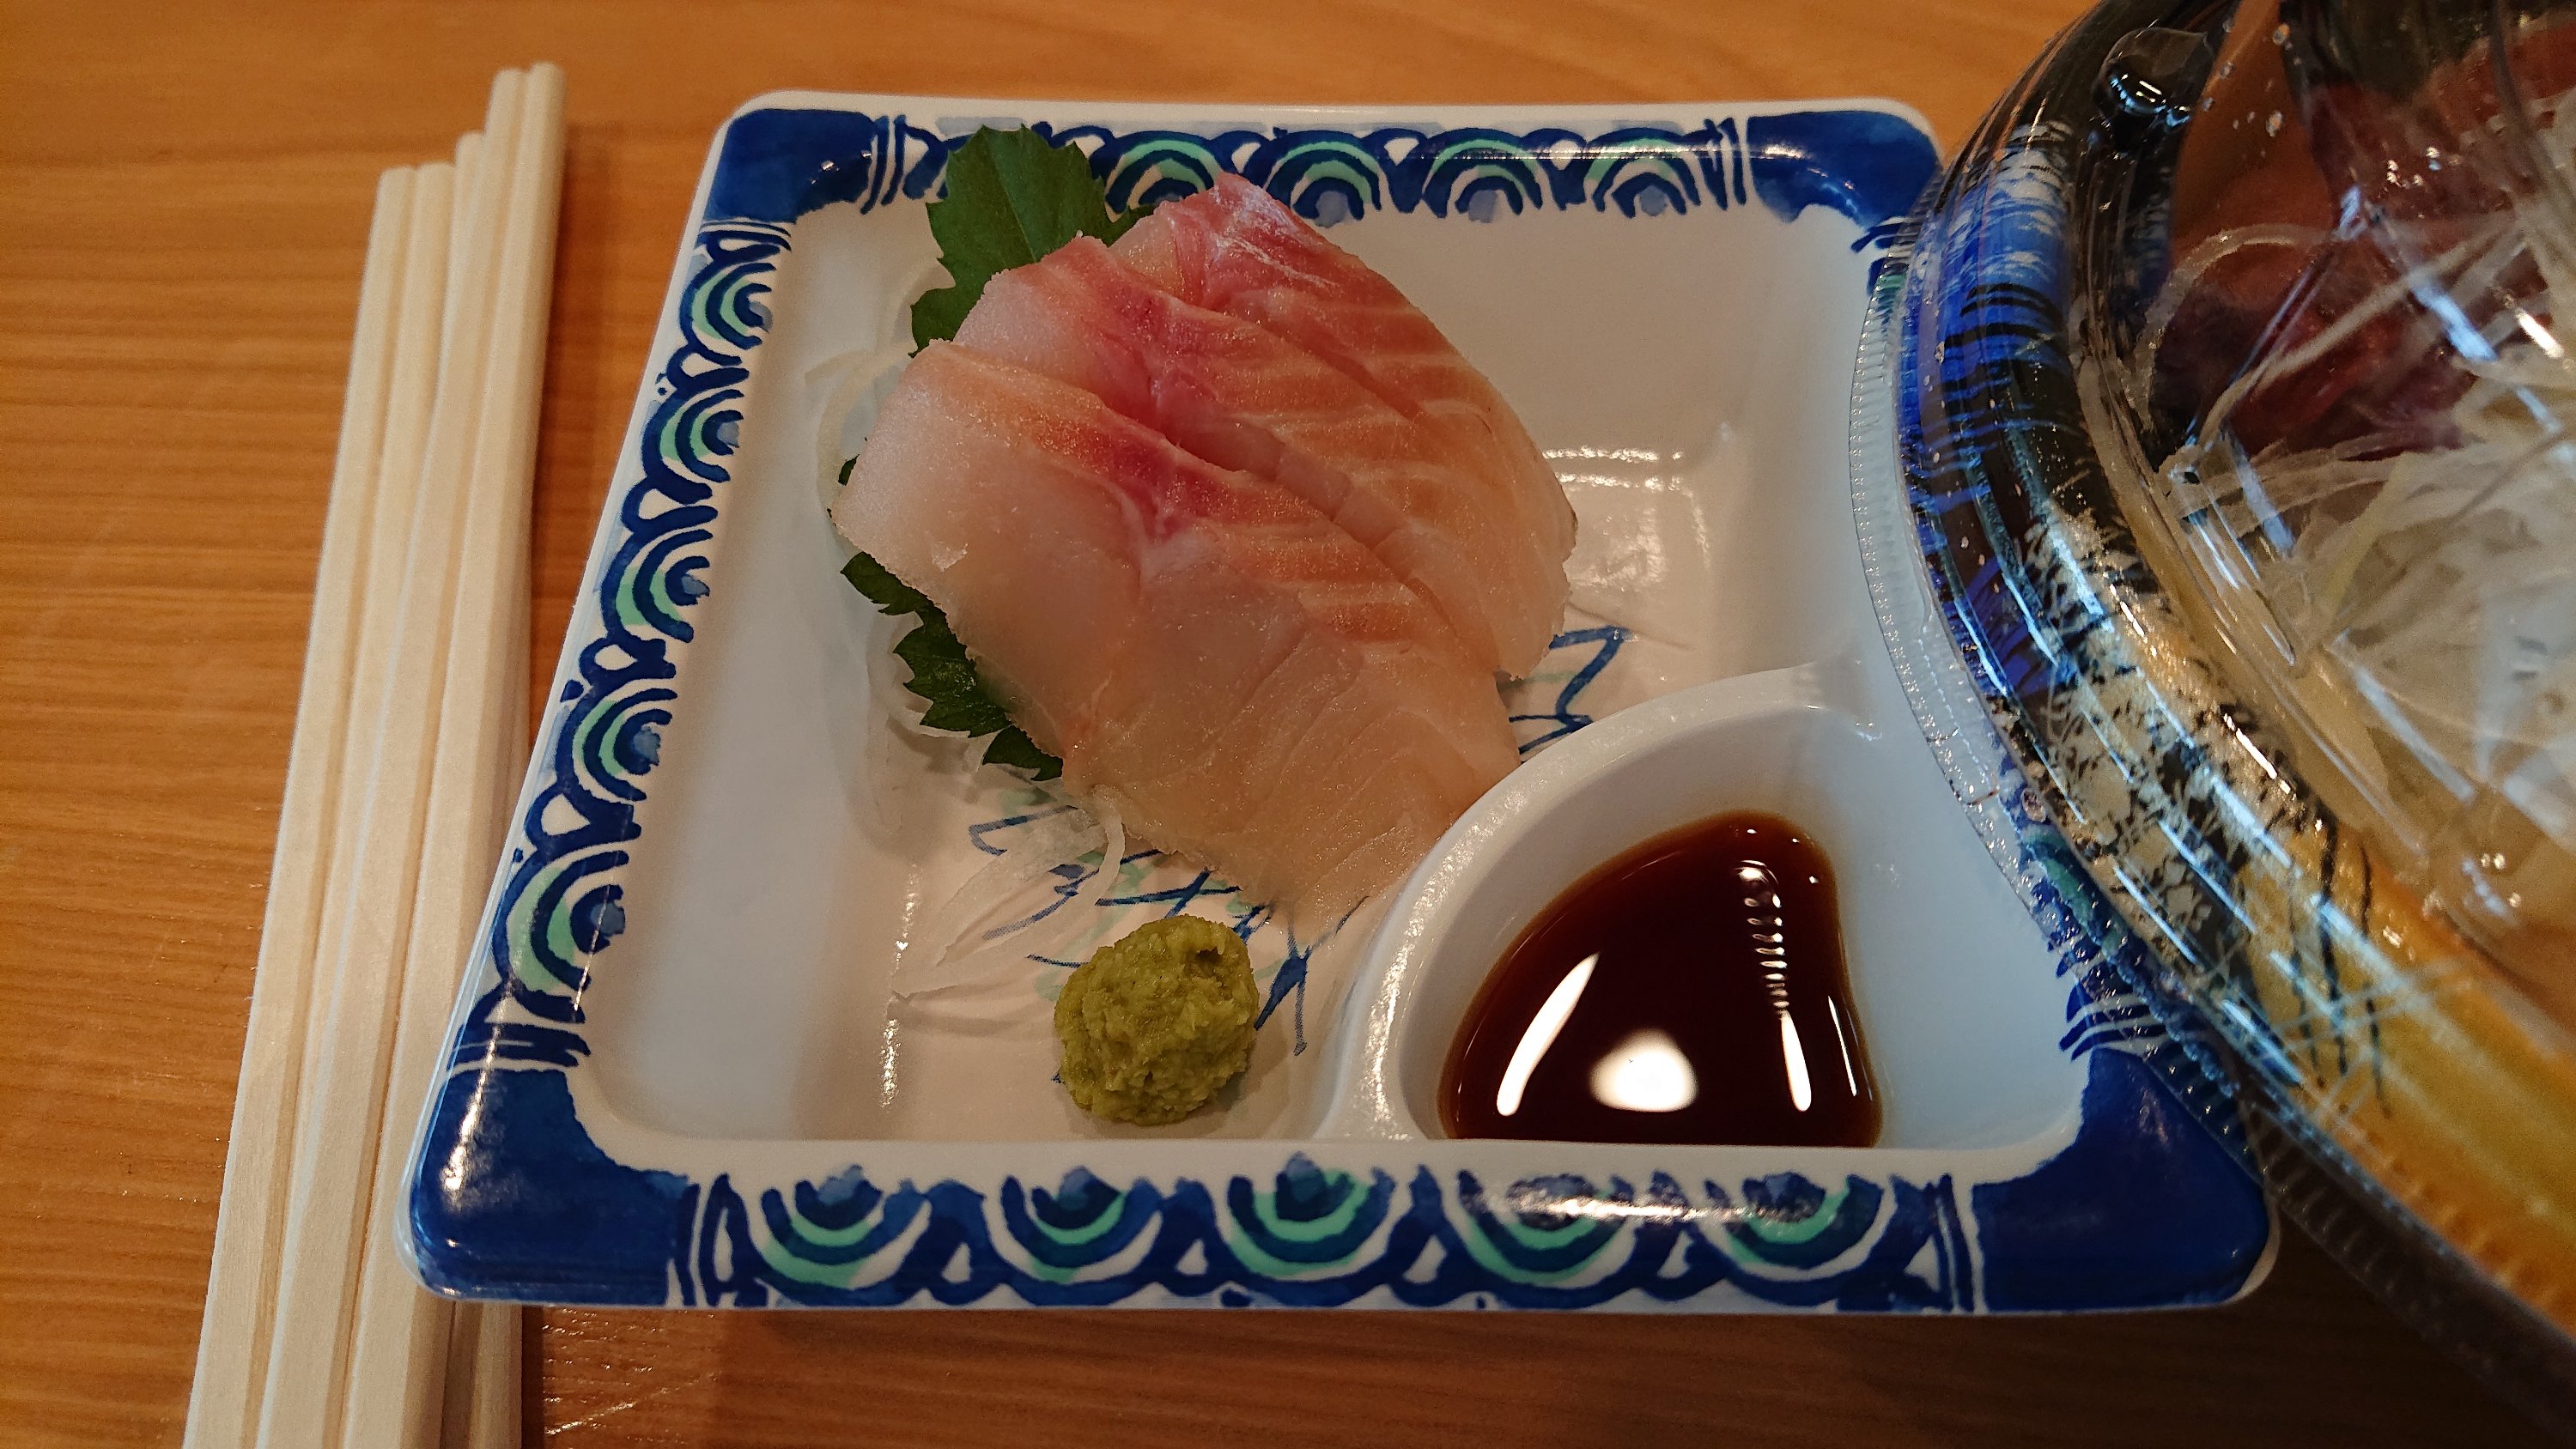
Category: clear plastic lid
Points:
column 2231, row 440
column 2354, row 397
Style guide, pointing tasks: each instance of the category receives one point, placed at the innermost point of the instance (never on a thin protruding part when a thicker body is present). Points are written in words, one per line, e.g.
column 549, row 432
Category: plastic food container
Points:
column 2213, row 448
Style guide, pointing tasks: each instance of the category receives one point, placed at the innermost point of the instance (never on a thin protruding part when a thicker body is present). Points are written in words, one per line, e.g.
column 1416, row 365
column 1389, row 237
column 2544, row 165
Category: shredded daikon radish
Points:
column 2433, row 586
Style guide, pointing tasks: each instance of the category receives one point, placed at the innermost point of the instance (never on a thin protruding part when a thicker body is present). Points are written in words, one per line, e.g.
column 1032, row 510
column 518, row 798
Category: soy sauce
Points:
column 1690, row 991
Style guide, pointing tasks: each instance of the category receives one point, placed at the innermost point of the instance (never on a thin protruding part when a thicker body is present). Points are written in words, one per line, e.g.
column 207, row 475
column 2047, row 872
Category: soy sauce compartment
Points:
column 1951, row 983
column 1692, row 989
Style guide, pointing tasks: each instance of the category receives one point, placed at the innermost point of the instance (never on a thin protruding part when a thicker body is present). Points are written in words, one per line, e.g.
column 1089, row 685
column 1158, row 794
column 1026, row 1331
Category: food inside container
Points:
column 2234, row 405
column 2354, row 376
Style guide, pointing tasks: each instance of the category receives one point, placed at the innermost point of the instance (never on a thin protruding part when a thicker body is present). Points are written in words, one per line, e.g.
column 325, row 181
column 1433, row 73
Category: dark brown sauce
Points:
column 1715, row 1007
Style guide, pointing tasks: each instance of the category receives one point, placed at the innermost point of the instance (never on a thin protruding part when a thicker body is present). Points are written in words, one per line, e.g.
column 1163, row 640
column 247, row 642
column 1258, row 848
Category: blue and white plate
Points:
column 759, row 1010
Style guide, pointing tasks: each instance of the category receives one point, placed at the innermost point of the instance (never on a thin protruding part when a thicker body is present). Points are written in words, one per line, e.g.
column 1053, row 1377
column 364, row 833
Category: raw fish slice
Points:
column 1243, row 397
column 1203, row 649
column 1235, row 249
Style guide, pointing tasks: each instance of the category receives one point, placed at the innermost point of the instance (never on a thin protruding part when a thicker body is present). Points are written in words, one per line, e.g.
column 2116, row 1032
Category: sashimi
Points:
column 1235, row 249
column 1208, row 654
column 1245, row 397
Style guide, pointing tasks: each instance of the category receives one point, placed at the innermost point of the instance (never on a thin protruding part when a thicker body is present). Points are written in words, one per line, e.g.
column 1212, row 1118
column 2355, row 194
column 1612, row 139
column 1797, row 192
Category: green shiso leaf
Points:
column 891, row 595
column 942, row 674
column 1014, row 747
column 1011, row 198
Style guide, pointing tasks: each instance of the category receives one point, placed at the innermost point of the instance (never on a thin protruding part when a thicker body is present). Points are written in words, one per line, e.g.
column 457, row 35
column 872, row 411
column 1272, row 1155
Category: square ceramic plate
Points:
column 758, row 1015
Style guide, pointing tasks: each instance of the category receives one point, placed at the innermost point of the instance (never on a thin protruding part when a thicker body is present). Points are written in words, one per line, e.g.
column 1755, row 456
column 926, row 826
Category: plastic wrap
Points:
column 2232, row 424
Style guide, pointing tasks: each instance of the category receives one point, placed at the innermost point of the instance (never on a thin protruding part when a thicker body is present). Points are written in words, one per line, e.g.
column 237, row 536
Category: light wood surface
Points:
column 184, row 195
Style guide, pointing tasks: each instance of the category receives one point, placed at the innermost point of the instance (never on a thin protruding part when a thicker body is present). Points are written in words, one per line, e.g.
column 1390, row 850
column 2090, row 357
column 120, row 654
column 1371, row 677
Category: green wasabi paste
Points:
column 1156, row 1021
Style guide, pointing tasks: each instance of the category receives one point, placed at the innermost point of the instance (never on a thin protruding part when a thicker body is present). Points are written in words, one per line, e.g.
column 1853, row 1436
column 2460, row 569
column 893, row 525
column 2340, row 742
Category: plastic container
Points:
column 2231, row 480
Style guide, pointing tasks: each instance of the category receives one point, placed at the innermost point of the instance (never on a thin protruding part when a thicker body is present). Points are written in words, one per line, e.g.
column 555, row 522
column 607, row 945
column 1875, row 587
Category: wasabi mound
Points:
column 1156, row 1021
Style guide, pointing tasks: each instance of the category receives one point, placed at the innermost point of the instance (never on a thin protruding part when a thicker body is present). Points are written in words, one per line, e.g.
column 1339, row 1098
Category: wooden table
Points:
column 183, row 200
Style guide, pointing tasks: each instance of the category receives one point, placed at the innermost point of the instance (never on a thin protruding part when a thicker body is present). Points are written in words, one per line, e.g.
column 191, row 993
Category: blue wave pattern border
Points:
column 780, row 164
column 1319, row 1237
column 513, row 1198
column 559, row 902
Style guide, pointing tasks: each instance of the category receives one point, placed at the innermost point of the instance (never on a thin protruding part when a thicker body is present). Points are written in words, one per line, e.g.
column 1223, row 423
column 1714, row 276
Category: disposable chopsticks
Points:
column 409, row 732
column 341, row 1107
column 253, row 1224
column 249, row 1225
column 397, row 1354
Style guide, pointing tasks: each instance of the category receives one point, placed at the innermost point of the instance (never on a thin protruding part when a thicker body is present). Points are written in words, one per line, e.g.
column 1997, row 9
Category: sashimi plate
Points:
column 759, row 1013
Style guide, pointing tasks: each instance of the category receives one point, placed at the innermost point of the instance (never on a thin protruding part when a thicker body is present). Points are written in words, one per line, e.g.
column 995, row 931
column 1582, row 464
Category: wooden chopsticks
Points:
column 409, row 735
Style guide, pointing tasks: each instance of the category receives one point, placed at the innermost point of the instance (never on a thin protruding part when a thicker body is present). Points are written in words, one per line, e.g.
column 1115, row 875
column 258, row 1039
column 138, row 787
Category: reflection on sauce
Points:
column 1690, row 991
